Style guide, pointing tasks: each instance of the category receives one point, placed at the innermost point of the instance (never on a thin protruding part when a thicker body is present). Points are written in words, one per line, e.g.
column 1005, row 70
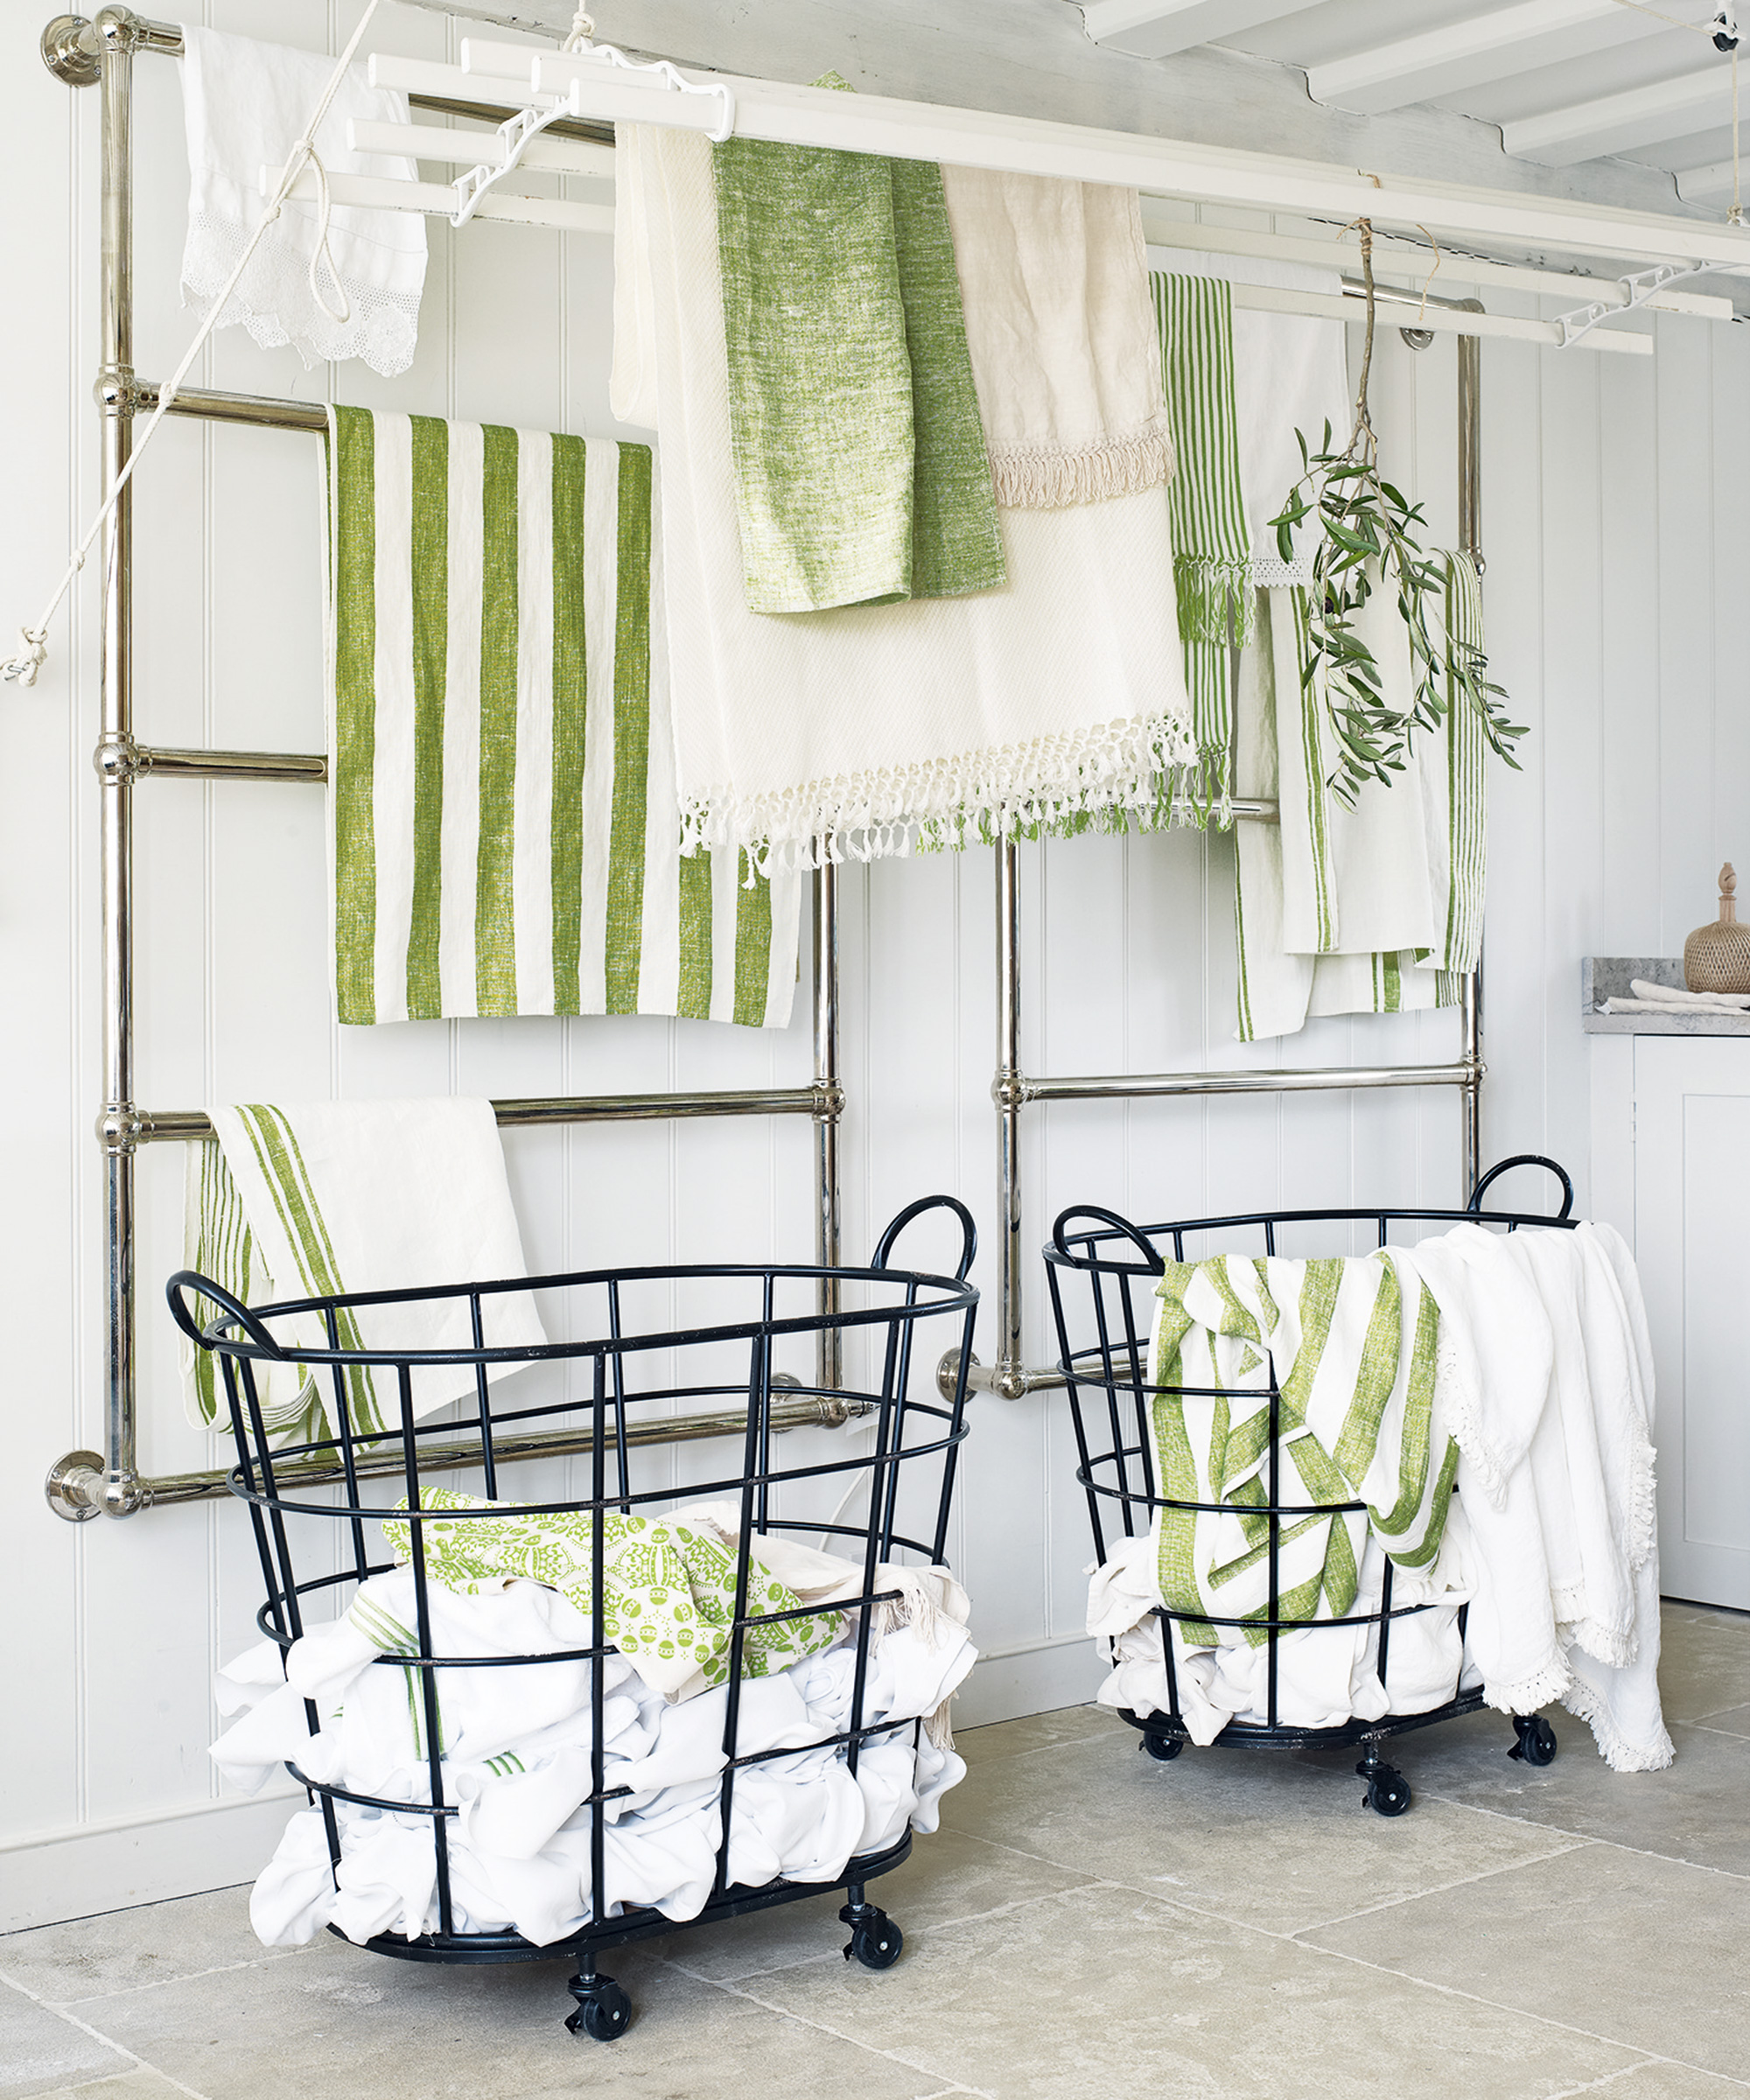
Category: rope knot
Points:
column 22, row 670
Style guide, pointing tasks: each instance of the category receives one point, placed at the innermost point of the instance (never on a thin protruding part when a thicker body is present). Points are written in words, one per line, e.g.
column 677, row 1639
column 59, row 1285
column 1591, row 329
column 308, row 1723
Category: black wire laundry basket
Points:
column 628, row 1381
column 1110, row 1400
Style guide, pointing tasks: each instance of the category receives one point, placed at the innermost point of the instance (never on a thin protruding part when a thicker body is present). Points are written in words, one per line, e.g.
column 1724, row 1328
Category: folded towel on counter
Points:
column 1211, row 544
column 245, row 106
column 669, row 1591
column 1351, row 1345
column 341, row 1196
column 505, row 829
column 859, row 730
column 1675, row 994
column 860, row 468
column 516, row 1745
column 1055, row 280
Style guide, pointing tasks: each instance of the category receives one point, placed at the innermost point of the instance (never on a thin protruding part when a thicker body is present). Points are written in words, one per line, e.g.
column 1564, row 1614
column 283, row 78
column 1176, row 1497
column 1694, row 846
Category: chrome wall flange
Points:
column 74, row 1486
column 69, row 49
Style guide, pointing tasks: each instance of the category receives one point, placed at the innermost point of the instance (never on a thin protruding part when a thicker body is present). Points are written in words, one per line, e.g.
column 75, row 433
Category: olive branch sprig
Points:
column 1369, row 539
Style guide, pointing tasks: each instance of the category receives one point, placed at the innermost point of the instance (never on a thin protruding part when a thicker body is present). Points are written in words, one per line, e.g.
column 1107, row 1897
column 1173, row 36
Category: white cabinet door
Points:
column 1692, row 1245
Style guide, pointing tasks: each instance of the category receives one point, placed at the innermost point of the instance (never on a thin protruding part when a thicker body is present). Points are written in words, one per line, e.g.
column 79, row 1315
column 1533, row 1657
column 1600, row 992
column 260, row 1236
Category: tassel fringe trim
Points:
column 1101, row 778
column 1216, row 600
column 1051, row 476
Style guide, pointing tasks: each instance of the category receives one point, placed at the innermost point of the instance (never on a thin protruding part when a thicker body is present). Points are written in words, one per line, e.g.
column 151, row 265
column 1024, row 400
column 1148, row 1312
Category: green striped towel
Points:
column 667, row 1588
column 1354, row 1345
column 861, row 473
column 505, row 825
column 1211, row 542
column 334, row 1197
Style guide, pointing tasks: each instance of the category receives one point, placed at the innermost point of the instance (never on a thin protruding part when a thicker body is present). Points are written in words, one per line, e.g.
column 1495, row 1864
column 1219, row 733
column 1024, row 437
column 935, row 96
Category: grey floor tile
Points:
column 1038, row 1732
column 1704, row 1660
column 949, row 1877
column 1692, row 1811
column 1734, row 1721
column 1672, row 2082
column 122, row 1950
column 1647, row 1951
column 131, row 2085
column 1255, row 1836
column 1102, row 1992
column 39, row 2051
column 342, row 2020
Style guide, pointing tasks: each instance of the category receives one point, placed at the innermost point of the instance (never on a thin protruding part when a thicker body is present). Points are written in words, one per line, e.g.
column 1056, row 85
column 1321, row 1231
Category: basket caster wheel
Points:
column 1388, row 1790
column 1536, row 1743
column 604, row 2011
column 1162, row 1749
column 875, row 1941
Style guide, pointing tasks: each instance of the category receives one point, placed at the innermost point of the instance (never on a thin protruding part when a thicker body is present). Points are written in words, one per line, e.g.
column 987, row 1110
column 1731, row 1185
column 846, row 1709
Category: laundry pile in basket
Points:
column 516, row 1739
column 1517, row 1366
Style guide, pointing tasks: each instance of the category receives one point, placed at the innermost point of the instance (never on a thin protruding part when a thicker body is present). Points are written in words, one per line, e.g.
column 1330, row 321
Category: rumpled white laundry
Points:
column 1061, row 694
column 335, row 1196
column 516, row 1748
column 1675, row 995
column 1054, row 279
column 245, row 105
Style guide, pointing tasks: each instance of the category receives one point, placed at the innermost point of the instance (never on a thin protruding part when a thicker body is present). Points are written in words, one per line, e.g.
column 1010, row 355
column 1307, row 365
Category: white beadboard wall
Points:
column 1616, row 611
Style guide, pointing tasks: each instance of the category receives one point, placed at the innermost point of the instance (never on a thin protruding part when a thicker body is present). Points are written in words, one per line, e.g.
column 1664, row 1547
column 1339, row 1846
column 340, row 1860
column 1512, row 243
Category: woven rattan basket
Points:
column 1716, row 957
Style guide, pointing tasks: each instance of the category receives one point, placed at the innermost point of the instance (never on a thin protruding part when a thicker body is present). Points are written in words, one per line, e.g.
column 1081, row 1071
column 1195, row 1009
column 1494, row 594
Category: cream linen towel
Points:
column 341, row 1196
column 957, row 718
column 245, row 105
column 505, row 836
column 1055, row 280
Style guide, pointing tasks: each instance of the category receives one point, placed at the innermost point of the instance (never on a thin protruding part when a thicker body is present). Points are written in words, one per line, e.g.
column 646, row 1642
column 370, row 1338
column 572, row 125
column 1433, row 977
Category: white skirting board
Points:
column 80, row 1872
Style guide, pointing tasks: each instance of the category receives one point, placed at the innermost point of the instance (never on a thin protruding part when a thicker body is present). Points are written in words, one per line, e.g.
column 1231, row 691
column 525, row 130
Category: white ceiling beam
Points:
column 1467, row 54
column 1615, row 123
column 1156, row 29
column 1706, row 185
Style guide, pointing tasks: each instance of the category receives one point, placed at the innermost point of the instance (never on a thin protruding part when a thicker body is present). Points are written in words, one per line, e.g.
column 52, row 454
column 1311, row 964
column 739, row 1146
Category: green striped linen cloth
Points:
column 328, row 1198
column 505, row 825
column 861, row 473
column 1211, row 543
column 667, row 1588
column 1353, row 1343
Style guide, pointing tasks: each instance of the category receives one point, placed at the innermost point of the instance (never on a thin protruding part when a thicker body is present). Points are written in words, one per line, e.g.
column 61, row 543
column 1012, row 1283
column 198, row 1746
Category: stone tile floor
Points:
column 1230, row 1926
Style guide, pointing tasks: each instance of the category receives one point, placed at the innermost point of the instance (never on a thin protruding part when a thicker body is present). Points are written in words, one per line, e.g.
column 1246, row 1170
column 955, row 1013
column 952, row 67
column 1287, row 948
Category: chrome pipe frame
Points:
column 80, row 1473
column 100, row 53
column 1012, row 1090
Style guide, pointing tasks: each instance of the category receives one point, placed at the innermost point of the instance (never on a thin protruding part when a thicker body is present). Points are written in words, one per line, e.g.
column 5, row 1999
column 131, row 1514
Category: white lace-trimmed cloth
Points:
column 245, row 105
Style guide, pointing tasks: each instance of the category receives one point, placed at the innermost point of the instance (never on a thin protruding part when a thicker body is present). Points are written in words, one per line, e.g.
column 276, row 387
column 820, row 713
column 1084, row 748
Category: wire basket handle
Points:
column 1152, row 1264
column 969, row 1231
column 188, row 1280
column 1524, row 1159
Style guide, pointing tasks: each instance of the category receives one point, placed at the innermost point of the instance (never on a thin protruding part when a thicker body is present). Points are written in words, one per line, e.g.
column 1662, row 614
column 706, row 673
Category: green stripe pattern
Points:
column 1211, row 544
column 1354, row 1344
column 506, row 832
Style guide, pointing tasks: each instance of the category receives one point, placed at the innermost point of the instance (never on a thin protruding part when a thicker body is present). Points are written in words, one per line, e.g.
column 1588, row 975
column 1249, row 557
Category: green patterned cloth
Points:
column 861, row 473
column 1211, row 544
column 1353, row 1342
column 506, row 827
column 668, row 1589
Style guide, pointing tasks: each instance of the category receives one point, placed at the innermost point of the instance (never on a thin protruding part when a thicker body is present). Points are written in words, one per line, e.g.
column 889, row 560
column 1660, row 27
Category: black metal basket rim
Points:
column 609, row 1498
column 1302, row 1626
column 957, row 1297
column 1135, row 1499
column 1258, row 1735
column 1061, row 1257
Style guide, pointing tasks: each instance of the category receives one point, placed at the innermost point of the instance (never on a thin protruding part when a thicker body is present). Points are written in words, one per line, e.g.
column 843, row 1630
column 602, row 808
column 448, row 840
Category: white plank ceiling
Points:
column 1566, row 82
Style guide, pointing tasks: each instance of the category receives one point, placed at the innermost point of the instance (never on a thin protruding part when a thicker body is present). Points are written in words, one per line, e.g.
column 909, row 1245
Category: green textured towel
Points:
column 860, row 465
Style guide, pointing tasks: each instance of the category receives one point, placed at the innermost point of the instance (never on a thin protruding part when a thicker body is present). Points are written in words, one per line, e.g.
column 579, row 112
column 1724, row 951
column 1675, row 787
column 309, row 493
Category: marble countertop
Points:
column 1608, row 977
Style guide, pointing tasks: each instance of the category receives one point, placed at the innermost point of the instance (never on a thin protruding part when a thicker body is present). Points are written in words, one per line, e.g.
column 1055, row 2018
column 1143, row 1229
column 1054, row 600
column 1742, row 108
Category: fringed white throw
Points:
column 865, row 729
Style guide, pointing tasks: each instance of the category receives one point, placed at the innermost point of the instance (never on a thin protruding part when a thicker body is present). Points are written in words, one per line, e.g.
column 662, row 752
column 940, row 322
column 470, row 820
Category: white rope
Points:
column 22, row 668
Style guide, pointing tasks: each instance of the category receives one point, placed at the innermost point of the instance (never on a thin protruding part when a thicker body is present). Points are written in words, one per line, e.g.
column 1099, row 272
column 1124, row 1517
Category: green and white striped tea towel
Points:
column 667, row 1588
column 861, row 475
column 342, row 1196
column 1353, row 1343
column 505, row 826
column 1211, row 542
